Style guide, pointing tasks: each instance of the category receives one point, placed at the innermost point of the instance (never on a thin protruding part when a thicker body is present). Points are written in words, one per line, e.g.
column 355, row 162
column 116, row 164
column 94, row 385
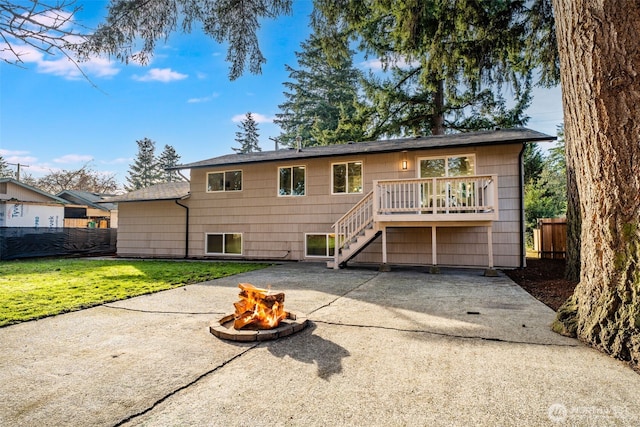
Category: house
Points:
column 89, row 209
column 454, row 200
column 22, row 205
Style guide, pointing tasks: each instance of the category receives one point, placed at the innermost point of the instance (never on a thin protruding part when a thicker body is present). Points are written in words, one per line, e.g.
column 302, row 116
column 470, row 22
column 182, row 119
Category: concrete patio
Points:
column 385, row 349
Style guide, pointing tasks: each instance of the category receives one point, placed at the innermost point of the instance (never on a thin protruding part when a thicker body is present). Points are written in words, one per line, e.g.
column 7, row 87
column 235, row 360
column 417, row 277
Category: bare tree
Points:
column 45, row 27
column 83, row 179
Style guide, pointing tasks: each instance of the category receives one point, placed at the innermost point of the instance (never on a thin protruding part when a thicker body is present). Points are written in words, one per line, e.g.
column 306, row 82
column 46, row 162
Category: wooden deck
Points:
column 430, row 202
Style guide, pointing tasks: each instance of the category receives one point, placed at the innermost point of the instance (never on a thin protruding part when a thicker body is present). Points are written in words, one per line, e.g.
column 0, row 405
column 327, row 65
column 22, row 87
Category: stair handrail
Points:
column 359, row 217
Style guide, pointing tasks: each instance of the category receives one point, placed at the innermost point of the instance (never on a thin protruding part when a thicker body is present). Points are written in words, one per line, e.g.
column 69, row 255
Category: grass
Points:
column 39, row 288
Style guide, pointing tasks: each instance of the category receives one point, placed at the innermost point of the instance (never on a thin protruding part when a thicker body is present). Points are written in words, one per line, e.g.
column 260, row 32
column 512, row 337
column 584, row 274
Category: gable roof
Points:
column 164, row 191
column 35, row 190
column 88, row 198
column 468, row 139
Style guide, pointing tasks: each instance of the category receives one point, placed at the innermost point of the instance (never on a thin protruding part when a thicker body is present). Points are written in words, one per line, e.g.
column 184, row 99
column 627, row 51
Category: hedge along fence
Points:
column 28, row 242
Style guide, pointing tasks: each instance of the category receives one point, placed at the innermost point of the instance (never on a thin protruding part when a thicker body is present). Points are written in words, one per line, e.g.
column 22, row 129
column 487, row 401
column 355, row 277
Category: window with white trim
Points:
column 346, row 178
column 292, row 180
column 224, row 181
column 223, row 244
column 319, row 245
column 436, row 167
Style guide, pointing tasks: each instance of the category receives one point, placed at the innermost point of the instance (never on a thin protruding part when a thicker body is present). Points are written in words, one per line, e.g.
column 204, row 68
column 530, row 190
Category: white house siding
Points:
column 151, row 229
column 274, row 227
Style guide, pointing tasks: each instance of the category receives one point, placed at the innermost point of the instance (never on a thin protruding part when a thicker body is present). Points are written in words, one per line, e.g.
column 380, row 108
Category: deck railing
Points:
column 449, row 195
column 358, row 218
column 470, row 198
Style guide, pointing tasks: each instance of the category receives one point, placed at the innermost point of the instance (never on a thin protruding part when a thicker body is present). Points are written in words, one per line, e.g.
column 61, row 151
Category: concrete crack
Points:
column 442, row 334
column 184, row 387
column 344, row 294
column 161, row 311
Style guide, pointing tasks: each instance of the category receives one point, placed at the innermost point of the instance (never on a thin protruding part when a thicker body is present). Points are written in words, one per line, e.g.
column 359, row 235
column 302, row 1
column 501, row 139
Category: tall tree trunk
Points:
column 437, row 122
column 574, row 221
column 600, row 70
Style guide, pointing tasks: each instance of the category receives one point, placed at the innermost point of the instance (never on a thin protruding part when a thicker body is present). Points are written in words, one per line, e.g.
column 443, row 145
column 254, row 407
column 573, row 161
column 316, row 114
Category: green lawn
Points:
column 39, row 288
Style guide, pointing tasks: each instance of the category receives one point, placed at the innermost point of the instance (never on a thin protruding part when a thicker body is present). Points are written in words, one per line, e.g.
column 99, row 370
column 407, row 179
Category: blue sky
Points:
column 51, row 118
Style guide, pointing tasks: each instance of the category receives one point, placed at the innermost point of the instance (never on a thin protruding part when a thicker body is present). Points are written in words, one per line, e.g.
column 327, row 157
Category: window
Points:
column 456, row 194
column 224, row 181
column 320, row 245
column 346, row 178
column 436, row 167
column 291, row 181
column 224, row 244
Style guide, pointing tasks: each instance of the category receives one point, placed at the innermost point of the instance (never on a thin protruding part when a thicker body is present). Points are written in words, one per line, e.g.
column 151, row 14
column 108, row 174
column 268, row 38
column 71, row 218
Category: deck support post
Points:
column 434, row 255
column 490, row 272
column 384, row 245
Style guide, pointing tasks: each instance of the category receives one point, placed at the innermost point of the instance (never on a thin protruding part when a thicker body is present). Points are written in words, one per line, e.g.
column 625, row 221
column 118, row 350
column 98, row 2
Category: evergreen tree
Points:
column 169, row 158
column 145, row 170
column 248, row 136
column 5, row 170
column 450, row 65
column 320, row 105
column 533, row 162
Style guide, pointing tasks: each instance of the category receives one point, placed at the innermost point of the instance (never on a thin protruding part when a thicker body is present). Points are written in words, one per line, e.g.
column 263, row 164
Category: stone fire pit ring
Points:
column 224, row 329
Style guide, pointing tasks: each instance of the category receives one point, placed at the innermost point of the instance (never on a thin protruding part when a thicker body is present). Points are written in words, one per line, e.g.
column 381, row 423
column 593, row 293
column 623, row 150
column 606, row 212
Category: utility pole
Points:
column 18, row 169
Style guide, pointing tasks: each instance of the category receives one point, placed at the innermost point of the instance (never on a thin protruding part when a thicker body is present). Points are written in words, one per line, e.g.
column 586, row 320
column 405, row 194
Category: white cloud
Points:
column 5, row 152
column 163, row 75
column 62, row 66
column 203, row 99
column 259, row 118
column 73, row 158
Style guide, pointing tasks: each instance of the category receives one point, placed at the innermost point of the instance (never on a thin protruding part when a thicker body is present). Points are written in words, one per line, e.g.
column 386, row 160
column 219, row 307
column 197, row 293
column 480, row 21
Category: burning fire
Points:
column 258, row 308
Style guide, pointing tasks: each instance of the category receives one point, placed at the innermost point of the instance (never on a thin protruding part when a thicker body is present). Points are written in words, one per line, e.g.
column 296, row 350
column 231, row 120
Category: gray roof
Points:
column 94, row 200
column 469, row 139
column 164, row 191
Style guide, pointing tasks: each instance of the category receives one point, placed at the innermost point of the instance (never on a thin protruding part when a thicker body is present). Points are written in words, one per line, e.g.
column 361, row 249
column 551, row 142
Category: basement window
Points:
column 223, row 244
column 320, row 245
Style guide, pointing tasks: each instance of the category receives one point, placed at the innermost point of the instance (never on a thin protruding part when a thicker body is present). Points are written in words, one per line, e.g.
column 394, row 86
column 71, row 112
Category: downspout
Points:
column 521, row 173
column 186, row 231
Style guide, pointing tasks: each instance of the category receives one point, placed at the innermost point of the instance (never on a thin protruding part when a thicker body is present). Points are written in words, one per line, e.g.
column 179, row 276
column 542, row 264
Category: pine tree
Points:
column 450, row 65
column 248, row 136
column 145, row 170
column 321, row 98
column 169, row 158
column 5, row 171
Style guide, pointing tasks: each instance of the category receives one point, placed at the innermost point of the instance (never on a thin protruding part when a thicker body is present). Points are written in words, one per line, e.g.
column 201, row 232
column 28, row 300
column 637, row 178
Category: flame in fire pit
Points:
column 258, row 308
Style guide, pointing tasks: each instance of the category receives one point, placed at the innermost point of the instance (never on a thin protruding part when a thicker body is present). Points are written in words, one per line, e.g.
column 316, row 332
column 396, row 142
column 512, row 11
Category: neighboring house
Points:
column 22, row 205
column 452, row 200
column 87, row 209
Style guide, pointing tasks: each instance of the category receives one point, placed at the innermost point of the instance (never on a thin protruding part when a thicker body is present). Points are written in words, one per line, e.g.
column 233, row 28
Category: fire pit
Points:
column 259, row 316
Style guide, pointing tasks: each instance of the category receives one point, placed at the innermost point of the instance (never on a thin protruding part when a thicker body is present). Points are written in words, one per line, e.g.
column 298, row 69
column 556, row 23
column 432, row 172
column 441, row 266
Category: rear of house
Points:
column 441, row 200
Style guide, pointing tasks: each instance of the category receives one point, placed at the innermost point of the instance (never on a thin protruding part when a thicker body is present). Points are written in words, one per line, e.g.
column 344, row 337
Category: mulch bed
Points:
column 544, row 280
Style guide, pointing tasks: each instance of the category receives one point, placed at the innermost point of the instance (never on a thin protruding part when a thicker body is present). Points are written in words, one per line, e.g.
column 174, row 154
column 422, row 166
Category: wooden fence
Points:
column 550, row 238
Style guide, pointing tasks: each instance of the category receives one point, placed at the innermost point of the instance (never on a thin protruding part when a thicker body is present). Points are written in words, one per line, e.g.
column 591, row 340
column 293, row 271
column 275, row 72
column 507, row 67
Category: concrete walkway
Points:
column 383, row 349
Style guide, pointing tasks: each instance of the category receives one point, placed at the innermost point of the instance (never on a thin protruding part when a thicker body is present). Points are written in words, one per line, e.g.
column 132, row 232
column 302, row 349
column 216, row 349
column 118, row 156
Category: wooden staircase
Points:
column 355, row 246
column 422, row 202
column 354, row 231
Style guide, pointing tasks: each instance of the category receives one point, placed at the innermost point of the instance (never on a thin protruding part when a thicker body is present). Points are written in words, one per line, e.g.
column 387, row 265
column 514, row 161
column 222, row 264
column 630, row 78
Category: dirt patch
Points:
column 544, row 279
